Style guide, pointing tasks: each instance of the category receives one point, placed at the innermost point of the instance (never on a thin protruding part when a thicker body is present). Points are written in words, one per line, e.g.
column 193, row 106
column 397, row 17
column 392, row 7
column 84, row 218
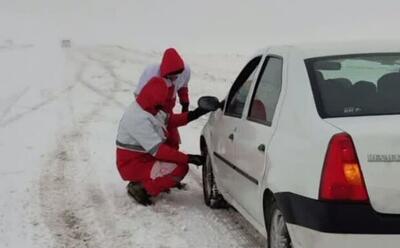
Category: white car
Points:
column 306, row 145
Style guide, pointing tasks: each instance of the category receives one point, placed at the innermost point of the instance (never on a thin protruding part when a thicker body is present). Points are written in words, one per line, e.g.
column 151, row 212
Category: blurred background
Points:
column 222, row 25
column 67, row 72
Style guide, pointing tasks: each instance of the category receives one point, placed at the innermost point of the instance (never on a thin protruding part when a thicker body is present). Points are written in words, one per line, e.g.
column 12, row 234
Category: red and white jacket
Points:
column 171, row 62
column 142, row 129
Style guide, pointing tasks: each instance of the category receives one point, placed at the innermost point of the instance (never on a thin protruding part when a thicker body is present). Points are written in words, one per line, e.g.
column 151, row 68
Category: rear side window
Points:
column 356, row 85
column 240, row 89
column 267, row 92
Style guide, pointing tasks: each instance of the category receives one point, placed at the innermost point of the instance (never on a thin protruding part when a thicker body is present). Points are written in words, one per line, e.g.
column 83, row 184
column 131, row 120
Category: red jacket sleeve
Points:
column 169, row 154
column 177, row 120
column 183, row 94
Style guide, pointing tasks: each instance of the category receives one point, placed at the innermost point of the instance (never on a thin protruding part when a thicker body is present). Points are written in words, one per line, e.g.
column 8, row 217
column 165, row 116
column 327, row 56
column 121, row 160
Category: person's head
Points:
column 153, row 97
column 171, row 65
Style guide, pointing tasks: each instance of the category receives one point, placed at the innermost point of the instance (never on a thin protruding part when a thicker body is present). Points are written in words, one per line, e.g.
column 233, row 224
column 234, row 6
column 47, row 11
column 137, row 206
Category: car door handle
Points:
column 231, row 136
column 261, row 148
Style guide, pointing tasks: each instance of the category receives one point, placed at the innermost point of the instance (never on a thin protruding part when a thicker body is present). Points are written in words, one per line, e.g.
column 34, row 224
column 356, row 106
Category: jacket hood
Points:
column 171, row 63
column 154, row 93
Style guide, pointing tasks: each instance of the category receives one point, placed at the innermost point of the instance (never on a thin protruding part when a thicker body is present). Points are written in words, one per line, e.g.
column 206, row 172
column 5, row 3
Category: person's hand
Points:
column 196, row 159
column 185, row 107
column 195, row 114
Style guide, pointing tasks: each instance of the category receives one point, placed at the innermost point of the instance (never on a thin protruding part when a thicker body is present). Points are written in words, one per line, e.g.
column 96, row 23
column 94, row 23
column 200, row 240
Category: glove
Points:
column 196, row 159
column 185, row 107
column 195, row 114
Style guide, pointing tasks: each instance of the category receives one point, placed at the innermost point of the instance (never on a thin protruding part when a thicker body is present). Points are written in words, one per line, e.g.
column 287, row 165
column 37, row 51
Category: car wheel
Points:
column 278, row 235
column 212, row 197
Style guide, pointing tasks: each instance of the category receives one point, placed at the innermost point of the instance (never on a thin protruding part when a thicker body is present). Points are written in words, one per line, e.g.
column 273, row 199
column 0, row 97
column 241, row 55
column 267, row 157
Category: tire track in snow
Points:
column 36, row 107
column 78, row 218
column 13, row 102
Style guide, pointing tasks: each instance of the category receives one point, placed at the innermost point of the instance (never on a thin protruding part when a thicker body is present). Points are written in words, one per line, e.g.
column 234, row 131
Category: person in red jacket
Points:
column 171, row 64
column 144, row 156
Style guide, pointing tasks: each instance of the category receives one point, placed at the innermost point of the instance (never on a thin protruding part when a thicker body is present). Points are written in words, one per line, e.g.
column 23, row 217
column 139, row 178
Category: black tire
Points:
column 278, row 235
column 212, row 197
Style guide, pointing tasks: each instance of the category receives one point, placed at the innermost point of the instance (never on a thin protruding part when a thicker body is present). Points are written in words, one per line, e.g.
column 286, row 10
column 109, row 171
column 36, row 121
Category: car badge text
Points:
column 385, row 158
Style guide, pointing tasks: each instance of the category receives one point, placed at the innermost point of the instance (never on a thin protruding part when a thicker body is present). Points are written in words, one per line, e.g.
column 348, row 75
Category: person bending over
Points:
column 144, row 157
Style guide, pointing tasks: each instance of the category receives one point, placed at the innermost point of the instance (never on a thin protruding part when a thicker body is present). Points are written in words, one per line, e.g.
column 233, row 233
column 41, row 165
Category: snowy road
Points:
column 59, row 181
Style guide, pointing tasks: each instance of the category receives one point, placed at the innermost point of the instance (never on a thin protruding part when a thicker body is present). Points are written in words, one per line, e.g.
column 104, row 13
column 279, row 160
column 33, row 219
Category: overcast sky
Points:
column 199, row 25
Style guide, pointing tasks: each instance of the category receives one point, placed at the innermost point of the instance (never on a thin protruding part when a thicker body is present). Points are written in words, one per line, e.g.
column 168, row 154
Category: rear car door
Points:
column 226, row 125
column 254, row 134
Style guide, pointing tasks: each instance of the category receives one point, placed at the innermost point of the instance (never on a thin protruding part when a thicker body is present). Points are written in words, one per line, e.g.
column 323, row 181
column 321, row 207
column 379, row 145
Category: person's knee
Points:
column 181, row 171
column 185, row 169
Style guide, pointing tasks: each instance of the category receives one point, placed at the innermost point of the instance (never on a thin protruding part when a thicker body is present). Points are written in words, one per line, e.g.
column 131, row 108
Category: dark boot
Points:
column 139, row 193
column 167, row 191
column 181, row 186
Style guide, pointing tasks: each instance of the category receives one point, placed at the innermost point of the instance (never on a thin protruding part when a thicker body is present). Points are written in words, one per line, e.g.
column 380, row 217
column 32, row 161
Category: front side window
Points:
column 356, row 85
column 240, row 89
column 267, row 92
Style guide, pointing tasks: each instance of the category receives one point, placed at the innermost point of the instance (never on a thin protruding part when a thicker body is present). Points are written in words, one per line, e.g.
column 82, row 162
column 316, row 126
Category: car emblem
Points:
column 385, row 158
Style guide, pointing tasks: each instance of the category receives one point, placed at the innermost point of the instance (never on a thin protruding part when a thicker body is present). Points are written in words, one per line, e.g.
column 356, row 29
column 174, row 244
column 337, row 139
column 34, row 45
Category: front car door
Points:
column 255, row 132
column 224, row 132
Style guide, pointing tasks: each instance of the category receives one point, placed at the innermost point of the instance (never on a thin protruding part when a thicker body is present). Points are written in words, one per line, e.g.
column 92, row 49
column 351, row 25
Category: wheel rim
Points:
column 279, row 234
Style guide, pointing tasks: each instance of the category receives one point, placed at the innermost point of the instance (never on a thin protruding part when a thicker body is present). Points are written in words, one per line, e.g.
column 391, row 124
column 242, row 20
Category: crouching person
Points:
column 144, row 158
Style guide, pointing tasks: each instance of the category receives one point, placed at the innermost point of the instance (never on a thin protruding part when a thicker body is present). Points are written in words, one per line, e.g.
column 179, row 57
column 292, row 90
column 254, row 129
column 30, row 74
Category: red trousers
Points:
column 156, row 176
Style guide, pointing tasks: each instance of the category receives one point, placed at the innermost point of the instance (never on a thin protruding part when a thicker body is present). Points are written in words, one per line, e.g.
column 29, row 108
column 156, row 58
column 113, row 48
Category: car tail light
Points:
column 342, row 178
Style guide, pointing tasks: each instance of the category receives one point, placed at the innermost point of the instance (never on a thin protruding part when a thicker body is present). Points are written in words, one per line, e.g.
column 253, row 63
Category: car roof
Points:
column 311, row 50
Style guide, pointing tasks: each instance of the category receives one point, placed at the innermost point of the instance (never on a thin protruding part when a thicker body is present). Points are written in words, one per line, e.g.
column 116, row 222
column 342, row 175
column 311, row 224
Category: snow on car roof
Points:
column 310, row 50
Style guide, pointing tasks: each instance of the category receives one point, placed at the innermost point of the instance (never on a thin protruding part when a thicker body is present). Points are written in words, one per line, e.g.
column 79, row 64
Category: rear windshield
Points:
column 356, row 85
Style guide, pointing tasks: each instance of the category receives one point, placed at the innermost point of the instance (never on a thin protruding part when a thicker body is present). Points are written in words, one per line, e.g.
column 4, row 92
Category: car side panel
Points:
column 252, row 162
column 250, row 159
column 217, row 130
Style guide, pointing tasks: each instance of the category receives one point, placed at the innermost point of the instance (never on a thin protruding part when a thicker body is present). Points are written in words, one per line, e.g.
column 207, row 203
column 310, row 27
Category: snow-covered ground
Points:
column 59, row 108
column 59, row 114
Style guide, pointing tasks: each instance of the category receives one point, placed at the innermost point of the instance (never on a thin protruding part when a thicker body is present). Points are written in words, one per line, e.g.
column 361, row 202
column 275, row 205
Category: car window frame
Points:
column 260, row 74
column 237, row 87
